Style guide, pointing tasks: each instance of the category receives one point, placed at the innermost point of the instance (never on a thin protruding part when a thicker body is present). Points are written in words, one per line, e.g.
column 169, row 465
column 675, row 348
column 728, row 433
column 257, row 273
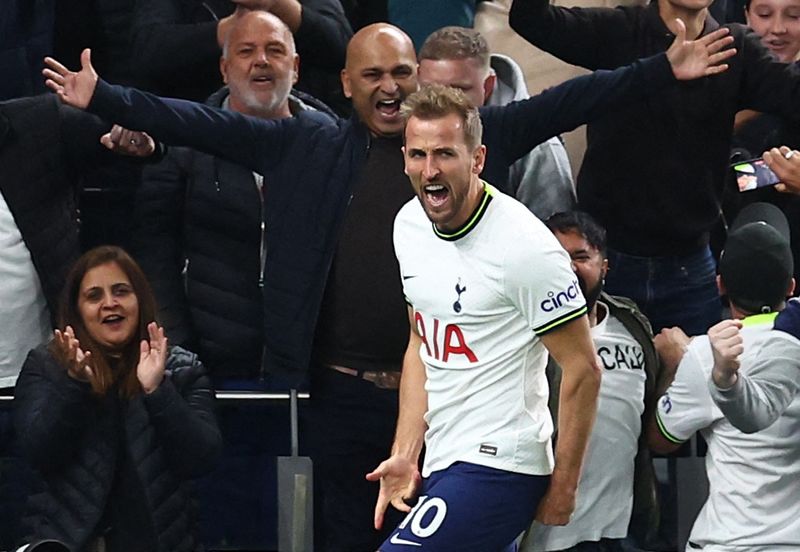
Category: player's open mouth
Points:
column 435, row 194
column 389, row 109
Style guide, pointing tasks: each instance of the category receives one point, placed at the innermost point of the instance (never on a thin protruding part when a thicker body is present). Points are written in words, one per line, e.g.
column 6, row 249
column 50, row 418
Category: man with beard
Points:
column 205, row 213
column 617, row 459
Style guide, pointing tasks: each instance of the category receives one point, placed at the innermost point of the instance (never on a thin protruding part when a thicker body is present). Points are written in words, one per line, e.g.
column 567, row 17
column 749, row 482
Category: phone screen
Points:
column 754, row 174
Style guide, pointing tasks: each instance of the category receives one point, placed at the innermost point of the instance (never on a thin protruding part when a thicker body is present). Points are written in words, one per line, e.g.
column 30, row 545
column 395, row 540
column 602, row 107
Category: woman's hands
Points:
column 152, row 359
column 69, row 353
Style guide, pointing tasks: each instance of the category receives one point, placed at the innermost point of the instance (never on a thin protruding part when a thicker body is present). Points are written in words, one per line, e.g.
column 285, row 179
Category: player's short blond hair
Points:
column 435, row 101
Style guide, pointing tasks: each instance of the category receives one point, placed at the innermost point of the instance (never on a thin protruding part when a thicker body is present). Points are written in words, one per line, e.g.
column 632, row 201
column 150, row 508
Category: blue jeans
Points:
column 670, row 291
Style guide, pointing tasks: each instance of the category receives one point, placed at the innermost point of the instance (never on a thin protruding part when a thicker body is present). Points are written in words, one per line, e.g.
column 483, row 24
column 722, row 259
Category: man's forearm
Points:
column 760, row 396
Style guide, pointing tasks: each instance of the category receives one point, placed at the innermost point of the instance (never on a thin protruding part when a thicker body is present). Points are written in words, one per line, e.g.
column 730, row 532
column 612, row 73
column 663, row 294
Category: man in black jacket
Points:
column 330, row 228
column 653, row 173
column 207, row 272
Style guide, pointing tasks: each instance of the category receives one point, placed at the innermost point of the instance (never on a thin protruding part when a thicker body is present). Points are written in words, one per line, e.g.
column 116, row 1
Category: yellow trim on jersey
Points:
column 561, row 320
column 488, row 192
column 756, row 319
column 667, row 435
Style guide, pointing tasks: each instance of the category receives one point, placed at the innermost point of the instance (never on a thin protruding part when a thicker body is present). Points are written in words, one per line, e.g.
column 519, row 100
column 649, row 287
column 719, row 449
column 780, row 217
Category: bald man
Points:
column 330, row 269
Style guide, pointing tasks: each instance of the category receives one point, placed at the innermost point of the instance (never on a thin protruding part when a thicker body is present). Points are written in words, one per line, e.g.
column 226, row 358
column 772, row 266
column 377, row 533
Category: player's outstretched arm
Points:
column 399, row 474
column 75, row 89
column 571, row 346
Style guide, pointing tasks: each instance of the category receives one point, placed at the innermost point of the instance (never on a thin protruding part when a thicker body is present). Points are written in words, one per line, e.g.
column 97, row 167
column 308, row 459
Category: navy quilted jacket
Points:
column 73, row 437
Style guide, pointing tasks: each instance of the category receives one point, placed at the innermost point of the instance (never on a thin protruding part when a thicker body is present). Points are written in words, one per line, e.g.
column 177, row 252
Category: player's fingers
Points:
column 400, row 504
column 376, row 474
column 380, row 510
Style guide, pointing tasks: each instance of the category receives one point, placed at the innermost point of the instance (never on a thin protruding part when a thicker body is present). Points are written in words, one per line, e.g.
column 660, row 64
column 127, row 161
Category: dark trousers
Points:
column 670, row 291
column 351, row 425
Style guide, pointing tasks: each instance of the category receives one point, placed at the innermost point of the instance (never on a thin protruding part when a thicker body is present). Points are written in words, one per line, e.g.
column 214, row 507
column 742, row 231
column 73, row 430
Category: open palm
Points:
column 75, row 89
column 152, row 358
column 692, row 59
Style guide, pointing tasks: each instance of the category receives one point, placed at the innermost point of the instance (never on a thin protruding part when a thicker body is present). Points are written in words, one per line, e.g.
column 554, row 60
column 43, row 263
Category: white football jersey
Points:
column 480, row 297
column 754, row 479
column 605, row 492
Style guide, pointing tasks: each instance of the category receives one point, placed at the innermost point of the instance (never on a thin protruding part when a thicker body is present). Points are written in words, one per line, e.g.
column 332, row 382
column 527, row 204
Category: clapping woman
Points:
column 114, row 420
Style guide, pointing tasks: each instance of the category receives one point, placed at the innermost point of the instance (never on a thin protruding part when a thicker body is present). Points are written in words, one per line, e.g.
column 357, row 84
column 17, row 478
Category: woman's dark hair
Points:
column 124, row 372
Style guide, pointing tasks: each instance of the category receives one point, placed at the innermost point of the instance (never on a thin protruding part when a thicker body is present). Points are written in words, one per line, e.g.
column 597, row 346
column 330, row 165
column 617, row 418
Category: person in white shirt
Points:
column 754, row 479
column 490, row 293
column 624, row 341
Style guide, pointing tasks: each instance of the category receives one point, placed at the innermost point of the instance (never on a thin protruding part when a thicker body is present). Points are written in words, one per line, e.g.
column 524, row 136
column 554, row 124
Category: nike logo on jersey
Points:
column 409, row 277
column 397, row 540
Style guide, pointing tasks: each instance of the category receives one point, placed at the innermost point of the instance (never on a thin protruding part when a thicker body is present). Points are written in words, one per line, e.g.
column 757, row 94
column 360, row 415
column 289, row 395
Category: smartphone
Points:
column 754, row 174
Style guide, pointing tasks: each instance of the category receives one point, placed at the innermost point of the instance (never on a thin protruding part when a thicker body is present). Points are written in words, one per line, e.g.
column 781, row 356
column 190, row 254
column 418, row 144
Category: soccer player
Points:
column 490, row 293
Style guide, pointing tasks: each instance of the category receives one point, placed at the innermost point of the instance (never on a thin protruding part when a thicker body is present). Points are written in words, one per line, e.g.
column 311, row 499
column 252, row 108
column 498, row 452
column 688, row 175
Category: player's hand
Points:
column 128, row 142
column 75, row 89
column 785, row 163
column 671, row 344
column 70, row 355
column 400, row 480
column 557, row 505
column 152, row 359
column 726, row 346
column 692, row 59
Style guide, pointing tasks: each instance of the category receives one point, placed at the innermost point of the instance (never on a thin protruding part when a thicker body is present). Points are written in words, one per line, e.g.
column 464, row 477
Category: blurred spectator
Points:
column 207, row 272
column 617, row 477
column 727, row 11
column 26, row 36
column 419, row 18
column 44, row 148
column 460, row 57
column 113, row 420
column 755, row 272
column 102, row 25
column 361, row 13
column 660, row 209
column 177, row 44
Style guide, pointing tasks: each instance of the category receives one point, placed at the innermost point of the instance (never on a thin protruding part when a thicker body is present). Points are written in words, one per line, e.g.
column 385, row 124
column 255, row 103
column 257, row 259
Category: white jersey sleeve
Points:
column 687, row 406
column 763, row 393
column 540, row 282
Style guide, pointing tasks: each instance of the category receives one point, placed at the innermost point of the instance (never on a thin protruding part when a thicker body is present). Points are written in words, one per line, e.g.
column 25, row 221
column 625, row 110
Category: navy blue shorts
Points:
column 467, row 508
